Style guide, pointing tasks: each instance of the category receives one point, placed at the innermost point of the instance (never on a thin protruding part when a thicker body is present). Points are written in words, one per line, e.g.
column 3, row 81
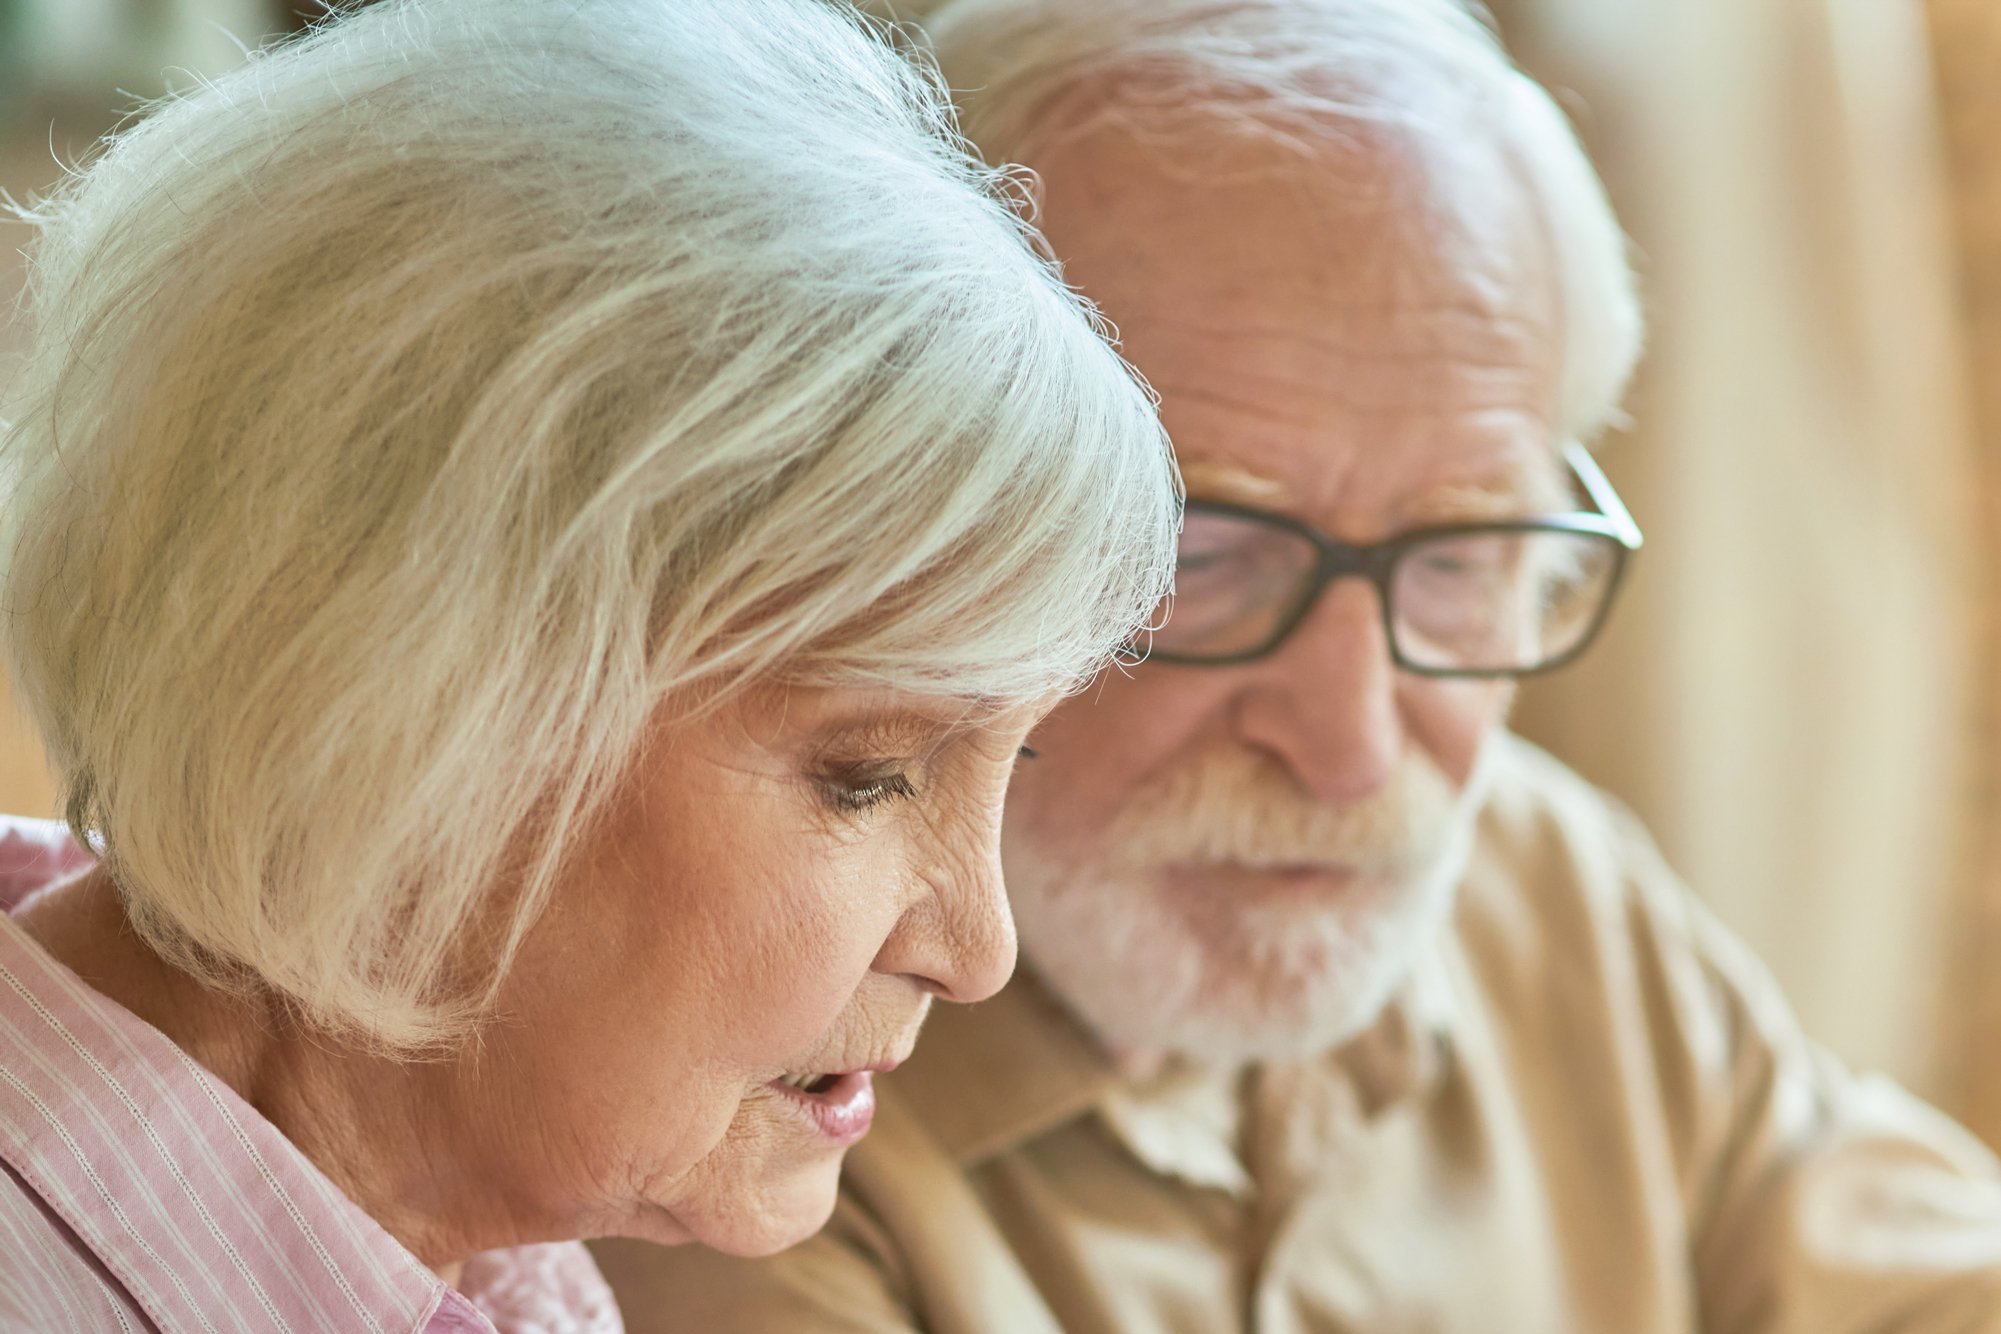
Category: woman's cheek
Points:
column 833, row 925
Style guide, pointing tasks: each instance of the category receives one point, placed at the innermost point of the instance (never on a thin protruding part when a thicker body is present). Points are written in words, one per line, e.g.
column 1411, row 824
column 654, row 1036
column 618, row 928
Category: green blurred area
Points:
column 92, row 58
column 12, row 41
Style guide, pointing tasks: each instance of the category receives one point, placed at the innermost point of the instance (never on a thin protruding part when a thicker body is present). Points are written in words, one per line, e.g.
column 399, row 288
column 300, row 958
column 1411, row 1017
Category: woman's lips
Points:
column 842, row 1111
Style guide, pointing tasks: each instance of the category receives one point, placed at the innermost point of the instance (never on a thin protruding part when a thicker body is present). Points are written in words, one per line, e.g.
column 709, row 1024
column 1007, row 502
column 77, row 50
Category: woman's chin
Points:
column 782, row 1211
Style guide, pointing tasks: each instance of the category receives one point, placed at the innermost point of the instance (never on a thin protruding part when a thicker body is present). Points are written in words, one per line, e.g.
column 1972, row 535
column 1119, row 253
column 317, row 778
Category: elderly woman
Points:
column 535, row 534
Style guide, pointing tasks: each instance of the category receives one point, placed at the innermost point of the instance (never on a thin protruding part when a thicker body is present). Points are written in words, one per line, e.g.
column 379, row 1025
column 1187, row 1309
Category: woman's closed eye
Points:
column 858, row 790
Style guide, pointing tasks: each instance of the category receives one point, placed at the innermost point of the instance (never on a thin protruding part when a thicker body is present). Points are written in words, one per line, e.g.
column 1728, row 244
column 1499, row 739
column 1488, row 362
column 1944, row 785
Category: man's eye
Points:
column 1210, row 569
column 863, row 792
column 1462, row 563
column 1206, row 560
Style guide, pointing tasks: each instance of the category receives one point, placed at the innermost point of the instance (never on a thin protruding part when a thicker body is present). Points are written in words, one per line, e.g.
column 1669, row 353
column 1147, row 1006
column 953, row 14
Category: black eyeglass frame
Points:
column 1377, row 563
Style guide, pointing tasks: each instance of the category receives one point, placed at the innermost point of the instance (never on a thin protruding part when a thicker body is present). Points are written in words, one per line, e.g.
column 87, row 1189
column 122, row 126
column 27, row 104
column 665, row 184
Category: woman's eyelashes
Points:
column 859, row 790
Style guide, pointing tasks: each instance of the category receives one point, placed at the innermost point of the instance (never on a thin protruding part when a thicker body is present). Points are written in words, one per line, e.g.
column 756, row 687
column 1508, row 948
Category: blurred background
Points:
column 1801, row 691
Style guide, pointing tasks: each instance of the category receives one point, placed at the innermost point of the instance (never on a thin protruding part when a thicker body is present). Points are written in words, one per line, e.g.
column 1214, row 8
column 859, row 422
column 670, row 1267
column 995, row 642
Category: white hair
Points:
column 1306, row 70
column 411, row 412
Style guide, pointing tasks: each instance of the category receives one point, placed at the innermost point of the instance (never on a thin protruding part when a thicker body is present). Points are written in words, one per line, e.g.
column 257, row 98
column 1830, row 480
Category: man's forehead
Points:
column 1347, row 339
column 1356, row 221
column 1274, row 284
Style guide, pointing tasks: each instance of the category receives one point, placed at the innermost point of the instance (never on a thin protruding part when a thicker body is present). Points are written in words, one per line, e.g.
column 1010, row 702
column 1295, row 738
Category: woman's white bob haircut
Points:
column 411, row 413
column 1311, row 72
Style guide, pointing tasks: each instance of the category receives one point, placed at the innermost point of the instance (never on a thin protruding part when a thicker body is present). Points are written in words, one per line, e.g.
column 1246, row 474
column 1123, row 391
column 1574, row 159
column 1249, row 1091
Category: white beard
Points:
column 1156, row 969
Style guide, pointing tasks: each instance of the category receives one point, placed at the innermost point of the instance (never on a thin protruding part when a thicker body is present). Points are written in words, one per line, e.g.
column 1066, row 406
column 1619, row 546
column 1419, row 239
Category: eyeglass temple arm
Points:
column 1599, row 488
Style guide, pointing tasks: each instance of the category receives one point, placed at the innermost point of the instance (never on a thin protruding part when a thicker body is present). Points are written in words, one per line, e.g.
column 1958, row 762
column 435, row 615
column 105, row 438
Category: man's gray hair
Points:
column 411, row 412
column 1307, row 70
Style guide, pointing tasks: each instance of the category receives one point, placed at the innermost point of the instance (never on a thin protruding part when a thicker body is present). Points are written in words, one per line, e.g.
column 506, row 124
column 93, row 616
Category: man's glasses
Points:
column 1504, row 598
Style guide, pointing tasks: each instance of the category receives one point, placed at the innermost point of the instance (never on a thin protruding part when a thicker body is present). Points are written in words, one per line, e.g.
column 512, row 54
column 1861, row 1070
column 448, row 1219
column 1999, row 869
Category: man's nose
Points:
column 1325, row 703
column 957, row 942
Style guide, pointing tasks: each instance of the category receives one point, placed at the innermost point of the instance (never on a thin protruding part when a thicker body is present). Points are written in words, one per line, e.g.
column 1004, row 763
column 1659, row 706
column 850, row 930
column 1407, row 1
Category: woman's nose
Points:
column 957, row 941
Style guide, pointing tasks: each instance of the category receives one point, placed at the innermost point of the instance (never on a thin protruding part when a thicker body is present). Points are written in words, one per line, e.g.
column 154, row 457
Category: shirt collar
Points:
column 986, row 1077
column 1186, row 1122
column 200, row 1207
column 1404, row 1055
column 991, row 1076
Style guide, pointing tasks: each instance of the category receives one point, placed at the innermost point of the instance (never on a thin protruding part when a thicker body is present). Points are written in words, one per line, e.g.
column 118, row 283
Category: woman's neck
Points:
column 391, row 1135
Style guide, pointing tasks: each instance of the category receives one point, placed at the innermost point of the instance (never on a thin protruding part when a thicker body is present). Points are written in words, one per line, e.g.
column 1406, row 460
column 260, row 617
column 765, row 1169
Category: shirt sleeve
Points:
column 1820, row 1201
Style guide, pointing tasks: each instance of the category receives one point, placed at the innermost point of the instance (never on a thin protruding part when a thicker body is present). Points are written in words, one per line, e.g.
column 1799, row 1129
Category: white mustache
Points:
column 1234, row 806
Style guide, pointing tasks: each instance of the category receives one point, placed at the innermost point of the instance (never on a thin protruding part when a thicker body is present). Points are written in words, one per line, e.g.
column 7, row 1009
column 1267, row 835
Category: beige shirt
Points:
column 1590, row 1111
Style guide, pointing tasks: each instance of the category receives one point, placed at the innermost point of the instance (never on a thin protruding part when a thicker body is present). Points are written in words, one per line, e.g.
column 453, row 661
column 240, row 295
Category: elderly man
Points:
column 1344, row 1010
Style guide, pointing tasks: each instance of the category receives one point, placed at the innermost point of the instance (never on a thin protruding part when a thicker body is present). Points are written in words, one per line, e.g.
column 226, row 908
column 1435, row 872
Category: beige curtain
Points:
column 1786, row 696
column 1966, row 37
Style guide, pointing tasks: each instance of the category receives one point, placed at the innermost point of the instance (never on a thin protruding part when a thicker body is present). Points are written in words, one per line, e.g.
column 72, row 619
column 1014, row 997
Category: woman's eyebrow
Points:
column 889, row 728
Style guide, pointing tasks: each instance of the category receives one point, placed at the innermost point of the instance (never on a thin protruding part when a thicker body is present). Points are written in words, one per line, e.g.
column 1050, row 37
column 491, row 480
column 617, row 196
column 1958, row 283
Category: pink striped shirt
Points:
column 137, row 1192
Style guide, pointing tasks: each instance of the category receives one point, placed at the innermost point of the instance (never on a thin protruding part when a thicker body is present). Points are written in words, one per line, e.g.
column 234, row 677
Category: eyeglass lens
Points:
column 1508, row 601
column 1498, row 601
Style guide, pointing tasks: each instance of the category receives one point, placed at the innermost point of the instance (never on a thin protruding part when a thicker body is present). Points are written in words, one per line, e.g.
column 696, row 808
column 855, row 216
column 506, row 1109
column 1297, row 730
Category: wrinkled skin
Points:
column 782, row 886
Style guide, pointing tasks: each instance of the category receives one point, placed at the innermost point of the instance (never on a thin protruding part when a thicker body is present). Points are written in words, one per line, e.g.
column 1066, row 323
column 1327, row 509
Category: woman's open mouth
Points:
column 840, row 1107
